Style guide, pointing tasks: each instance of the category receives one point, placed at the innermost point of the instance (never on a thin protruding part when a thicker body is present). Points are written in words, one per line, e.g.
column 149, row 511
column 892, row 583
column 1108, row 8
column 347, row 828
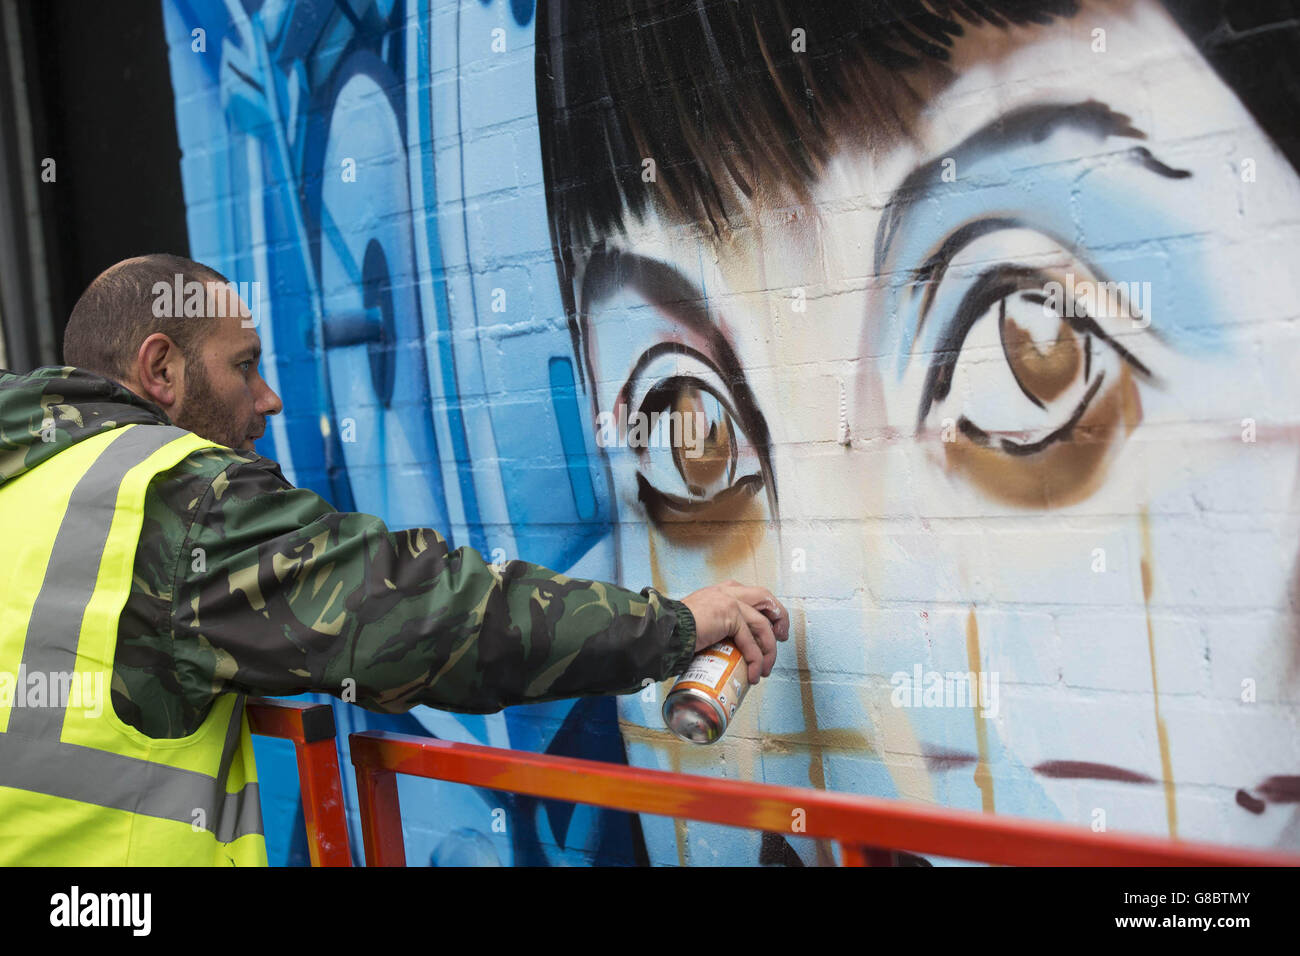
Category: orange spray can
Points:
column 703, row 700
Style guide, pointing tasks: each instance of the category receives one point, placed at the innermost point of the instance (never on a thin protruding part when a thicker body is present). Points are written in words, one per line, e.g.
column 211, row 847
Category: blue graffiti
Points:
column 384, row 189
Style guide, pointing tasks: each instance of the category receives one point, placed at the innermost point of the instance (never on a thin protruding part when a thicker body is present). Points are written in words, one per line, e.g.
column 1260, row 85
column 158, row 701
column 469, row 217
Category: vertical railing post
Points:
column 311, row 728
column 381, row 813
column 322, row 802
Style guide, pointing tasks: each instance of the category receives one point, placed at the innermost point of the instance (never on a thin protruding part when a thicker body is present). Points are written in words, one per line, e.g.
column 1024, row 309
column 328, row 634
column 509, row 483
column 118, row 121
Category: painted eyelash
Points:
column 982, row 438
column 652, row 353
column 659, row 503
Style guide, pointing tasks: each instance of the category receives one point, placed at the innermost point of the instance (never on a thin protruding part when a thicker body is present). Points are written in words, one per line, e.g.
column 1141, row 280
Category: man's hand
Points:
column 751, row 616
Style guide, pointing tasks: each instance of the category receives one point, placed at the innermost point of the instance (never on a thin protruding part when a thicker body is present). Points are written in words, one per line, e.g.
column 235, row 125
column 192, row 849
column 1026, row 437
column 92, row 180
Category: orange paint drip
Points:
column 816, row 762
column 1162, row 732
column 674, row 752
column 656, row 575
column 983, row 778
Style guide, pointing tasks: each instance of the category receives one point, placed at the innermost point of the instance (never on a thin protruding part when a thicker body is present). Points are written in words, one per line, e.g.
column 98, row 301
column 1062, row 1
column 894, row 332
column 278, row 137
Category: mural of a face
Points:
column 1004, row 399
column 1002, row 388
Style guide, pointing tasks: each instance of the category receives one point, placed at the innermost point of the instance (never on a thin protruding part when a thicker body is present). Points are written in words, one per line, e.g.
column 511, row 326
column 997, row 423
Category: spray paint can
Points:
column 703, row 700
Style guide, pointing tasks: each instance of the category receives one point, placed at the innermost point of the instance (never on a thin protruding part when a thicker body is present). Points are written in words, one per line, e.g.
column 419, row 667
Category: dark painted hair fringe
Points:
column 713, row 91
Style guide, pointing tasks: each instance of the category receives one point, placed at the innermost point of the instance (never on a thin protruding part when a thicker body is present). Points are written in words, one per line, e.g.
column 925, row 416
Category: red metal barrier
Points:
column 863, row 826
column 311, row 728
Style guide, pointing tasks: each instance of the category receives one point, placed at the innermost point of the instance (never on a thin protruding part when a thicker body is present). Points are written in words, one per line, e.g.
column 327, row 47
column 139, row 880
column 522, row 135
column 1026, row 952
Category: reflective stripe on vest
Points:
column 53, row 752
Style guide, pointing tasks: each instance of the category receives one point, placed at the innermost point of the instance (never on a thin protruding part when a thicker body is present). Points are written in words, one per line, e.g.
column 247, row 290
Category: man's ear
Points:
column 160, row 371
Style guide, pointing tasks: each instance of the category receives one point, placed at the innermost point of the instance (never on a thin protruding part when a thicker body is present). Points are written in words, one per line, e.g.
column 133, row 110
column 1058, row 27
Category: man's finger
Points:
column 761, row 599
column 748, row 646
column 780, row 619
column 761, row 628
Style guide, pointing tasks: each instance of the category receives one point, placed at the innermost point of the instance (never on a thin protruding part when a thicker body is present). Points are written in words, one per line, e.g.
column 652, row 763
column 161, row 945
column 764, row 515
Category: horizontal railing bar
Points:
column 847, row 818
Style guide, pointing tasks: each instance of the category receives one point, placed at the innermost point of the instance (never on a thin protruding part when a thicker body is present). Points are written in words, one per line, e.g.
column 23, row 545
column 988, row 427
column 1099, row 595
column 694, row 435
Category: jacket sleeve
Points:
column 285, row 595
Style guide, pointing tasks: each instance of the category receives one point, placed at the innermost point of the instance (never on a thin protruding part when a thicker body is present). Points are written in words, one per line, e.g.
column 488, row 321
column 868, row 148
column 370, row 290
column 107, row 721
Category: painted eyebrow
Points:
column 1024, row 125
column 609, row 270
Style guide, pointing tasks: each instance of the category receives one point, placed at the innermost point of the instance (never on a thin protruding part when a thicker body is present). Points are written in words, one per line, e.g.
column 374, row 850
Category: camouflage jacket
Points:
column 293, row 596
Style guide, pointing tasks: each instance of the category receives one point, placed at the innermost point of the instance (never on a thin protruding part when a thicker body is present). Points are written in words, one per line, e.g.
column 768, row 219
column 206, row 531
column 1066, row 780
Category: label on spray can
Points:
column 702, row 702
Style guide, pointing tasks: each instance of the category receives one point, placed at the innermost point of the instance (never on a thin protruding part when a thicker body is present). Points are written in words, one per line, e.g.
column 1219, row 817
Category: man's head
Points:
column 175, row 332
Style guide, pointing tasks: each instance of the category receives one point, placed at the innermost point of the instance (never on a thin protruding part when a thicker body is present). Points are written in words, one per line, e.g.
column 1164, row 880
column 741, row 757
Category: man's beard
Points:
column 202, row 412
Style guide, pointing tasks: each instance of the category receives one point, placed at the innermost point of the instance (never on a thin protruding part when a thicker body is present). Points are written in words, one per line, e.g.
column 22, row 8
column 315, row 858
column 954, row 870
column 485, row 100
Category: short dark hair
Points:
column 116, row 313
column 713, row 91
column 717, row 94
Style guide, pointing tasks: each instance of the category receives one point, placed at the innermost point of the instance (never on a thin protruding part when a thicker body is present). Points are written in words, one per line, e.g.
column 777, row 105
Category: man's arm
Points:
column 278, row 594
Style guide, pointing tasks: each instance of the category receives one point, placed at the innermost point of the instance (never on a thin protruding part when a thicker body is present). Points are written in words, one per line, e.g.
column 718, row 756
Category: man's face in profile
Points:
column 948, row 466
column 223, row 397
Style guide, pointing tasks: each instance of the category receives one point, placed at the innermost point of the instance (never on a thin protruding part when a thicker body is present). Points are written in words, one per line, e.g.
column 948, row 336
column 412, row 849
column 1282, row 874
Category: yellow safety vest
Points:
column 77, row 785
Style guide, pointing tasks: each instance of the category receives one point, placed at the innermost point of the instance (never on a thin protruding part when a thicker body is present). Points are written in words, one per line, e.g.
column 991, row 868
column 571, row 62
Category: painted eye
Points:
column 692, row 455
column 1044, row 354
column 699, row 432
column 1030, row 392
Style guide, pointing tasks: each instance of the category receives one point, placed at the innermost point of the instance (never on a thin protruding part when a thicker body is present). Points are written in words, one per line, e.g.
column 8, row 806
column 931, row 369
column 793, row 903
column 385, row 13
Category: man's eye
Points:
column 245, row 366
column 1029, row 390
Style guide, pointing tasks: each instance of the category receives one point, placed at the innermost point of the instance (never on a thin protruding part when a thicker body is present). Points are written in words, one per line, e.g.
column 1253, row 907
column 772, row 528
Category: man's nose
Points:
column 270, row 403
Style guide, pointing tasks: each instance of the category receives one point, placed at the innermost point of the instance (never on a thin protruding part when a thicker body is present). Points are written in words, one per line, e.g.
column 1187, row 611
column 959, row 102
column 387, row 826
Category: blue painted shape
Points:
column 523, row 11
column 564, row 396
column 465, row 846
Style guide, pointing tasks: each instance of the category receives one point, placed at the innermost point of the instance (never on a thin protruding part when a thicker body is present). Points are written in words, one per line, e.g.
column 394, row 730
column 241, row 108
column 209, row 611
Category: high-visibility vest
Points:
column 77, row 785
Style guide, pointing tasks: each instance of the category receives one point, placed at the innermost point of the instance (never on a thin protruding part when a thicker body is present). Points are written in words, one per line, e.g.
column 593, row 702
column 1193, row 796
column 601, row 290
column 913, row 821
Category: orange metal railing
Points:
column 867, row 829
column 311, row 728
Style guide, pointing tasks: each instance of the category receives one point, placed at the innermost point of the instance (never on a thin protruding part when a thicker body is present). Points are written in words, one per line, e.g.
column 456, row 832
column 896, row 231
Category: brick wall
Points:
column 995, row 356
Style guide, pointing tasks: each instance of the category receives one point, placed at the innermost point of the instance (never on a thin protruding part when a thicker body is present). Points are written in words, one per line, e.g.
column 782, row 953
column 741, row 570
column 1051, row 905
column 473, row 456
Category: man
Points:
column 154, row 552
